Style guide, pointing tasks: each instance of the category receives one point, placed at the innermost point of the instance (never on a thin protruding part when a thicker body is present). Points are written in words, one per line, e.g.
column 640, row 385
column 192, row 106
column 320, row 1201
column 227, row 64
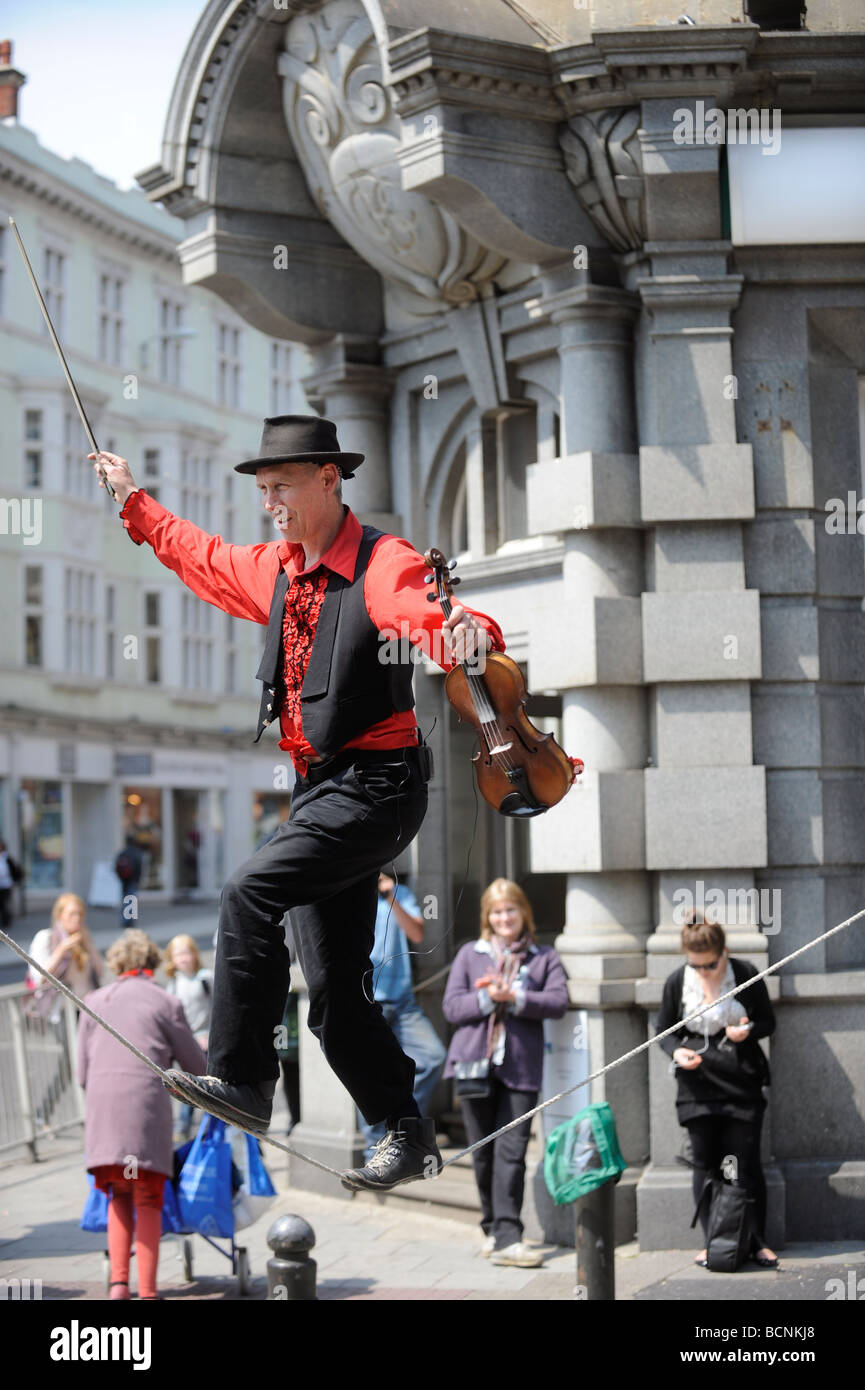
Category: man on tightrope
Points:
column 328, row 591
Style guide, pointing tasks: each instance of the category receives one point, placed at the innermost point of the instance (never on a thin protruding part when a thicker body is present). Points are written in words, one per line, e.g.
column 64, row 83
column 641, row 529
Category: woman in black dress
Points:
column 720, row 1067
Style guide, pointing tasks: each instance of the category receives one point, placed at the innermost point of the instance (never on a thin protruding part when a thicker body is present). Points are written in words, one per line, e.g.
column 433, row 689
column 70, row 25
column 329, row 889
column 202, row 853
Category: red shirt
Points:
column 239, row 579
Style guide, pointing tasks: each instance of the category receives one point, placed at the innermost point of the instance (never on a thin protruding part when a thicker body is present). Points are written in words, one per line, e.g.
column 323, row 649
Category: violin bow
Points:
column 79, row 405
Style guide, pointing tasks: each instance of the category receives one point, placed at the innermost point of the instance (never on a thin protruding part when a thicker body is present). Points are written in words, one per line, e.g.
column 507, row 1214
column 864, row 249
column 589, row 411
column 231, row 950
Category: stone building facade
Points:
column 522, row 301
column 124, row 701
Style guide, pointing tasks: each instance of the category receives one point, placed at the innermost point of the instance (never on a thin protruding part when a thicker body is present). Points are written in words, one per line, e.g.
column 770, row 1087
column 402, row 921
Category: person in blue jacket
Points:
column 399, row 924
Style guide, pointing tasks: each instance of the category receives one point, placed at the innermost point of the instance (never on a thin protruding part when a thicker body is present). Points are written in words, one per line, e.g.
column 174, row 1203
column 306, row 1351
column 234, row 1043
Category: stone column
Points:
column 588, row 645
column 355, row 395
column 705, row 800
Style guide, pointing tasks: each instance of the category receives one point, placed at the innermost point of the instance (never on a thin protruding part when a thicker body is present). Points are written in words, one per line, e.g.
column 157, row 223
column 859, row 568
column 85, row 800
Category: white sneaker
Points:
column 517, row 1254
column 488, row 1246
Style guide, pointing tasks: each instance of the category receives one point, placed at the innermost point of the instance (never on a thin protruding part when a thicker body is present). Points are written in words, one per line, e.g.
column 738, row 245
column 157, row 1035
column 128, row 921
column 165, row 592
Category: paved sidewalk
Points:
column 367, row 1249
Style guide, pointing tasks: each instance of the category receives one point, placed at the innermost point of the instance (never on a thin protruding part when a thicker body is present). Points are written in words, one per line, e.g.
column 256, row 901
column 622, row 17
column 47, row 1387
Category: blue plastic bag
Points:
column 255, row 1192
column 204, row 1185
column 95, row 1214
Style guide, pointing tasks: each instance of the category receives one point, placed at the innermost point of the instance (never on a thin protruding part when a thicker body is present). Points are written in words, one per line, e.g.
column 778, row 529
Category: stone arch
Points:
column 444, row 489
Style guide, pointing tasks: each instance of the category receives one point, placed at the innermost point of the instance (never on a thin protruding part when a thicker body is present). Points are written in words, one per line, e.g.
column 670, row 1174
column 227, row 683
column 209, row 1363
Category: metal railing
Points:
column 39, row 1095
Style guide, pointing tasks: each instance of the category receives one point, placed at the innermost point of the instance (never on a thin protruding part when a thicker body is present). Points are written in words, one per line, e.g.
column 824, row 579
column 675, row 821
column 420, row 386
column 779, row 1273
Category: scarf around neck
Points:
column 508, row 961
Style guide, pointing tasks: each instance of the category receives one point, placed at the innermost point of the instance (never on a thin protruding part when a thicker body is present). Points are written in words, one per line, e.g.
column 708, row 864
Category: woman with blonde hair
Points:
column 127, row 1113
column 192, row 984
column 67, row 950
column 500, row 989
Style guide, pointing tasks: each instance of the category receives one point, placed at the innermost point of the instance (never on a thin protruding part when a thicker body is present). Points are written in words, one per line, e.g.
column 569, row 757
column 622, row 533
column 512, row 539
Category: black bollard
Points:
column 596, row 1271
column 290, row 1271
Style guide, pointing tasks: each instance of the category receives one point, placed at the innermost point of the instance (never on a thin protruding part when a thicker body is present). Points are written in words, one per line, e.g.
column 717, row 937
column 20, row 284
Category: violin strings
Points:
column 484, row 706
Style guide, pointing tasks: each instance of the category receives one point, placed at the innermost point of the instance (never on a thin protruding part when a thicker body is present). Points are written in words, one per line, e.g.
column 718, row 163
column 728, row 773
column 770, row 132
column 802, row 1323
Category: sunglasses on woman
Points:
column 712, row 965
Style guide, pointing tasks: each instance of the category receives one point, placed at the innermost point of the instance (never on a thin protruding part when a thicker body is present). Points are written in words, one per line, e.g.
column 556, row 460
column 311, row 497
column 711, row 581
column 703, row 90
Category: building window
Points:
column 196, row 483
column 171, row 316
column 33, row 613
column 80, row 631
column 33, row 437
column 228, row 493
column 77, row 476
column 197, row 643
column 230, row 649
column 112, row 292
column 281, row 386
column 42, row 842
column 228, row 367
column 151, row 473
column 516, row 448
column 142, row 819
column 269, row 811
column 53, row 288
column 153, row 637
column 110, row 632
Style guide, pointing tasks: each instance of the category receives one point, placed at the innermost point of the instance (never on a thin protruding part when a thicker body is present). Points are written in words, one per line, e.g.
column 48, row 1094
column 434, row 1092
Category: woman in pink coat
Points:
column 127, row 1124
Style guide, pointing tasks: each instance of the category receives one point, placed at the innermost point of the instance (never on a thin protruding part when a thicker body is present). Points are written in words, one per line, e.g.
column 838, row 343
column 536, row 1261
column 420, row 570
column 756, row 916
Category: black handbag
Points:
column 730, row 1228
column 472, row 1080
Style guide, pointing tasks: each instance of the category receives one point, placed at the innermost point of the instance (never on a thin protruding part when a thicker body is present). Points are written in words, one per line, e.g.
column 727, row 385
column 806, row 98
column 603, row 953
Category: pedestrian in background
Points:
column 65, row 949
column 128, row 866
column 191, row 983
column 127, row 1111
column 500, row 989
column 10, row 874
column 398, row 921
column 720, row 1067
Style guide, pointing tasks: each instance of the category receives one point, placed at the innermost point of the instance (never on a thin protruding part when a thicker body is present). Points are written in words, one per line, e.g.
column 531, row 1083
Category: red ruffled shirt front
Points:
column 239, row 579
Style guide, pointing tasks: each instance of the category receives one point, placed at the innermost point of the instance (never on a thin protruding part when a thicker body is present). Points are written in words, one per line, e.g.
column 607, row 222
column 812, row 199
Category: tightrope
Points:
column 488, row 1139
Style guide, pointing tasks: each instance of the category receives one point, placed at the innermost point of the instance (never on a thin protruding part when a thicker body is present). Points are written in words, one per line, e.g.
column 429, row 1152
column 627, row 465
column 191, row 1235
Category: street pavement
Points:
column 366, row 1247
column 369, row 1248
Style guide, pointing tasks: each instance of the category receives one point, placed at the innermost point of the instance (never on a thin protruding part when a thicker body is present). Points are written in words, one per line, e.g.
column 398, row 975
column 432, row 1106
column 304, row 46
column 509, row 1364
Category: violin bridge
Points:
column 501, row 748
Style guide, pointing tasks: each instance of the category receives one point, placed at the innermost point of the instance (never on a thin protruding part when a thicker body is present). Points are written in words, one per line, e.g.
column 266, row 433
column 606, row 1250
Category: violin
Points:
column 520, row 771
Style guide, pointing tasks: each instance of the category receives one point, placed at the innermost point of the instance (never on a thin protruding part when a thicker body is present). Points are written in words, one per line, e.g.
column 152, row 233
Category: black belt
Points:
column 419, row 756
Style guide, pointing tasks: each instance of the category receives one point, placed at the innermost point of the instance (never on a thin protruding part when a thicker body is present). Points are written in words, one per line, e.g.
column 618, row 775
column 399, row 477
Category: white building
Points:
column 126, row 704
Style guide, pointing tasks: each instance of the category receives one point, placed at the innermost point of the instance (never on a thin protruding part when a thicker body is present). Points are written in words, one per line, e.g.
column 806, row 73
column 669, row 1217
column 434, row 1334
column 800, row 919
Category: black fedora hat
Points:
column 300, row 439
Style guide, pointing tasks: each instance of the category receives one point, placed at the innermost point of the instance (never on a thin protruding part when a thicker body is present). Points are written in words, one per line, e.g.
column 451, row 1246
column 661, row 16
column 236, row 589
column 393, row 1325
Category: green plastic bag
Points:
column 582, row 1153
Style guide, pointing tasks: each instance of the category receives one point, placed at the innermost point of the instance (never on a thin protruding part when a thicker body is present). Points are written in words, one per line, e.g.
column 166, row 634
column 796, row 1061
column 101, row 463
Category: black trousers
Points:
column 500, row 1167
column 713, row 1138
column 348, row 818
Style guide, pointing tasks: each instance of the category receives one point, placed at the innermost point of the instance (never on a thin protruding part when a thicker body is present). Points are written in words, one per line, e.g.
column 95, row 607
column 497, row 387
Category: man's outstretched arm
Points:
column 238, row 579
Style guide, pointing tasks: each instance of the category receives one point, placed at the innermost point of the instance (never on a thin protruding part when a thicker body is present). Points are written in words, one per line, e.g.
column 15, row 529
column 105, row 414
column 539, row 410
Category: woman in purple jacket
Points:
column 127, row 1111
column 499, row 991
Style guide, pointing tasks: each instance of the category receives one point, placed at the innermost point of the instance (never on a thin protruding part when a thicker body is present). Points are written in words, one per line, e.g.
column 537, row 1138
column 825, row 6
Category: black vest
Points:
column 348, row 686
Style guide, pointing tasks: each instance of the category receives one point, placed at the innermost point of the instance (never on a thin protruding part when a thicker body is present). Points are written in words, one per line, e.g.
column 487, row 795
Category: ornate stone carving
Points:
column 347, row 137
column 603, row 162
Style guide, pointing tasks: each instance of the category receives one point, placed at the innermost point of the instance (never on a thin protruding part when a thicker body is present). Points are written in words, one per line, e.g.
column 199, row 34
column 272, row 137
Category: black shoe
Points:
column 247, row 1106
column 405, row 1153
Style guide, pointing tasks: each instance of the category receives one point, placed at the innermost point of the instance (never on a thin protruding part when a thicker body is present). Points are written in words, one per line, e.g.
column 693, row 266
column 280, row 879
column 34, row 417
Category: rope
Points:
column 148, row 1062
column 431, row 979
column 488, row 1139
column 635, row 1051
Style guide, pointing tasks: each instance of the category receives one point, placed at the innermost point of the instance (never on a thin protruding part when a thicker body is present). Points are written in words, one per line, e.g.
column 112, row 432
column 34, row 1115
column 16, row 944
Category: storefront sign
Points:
column 133, row 764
